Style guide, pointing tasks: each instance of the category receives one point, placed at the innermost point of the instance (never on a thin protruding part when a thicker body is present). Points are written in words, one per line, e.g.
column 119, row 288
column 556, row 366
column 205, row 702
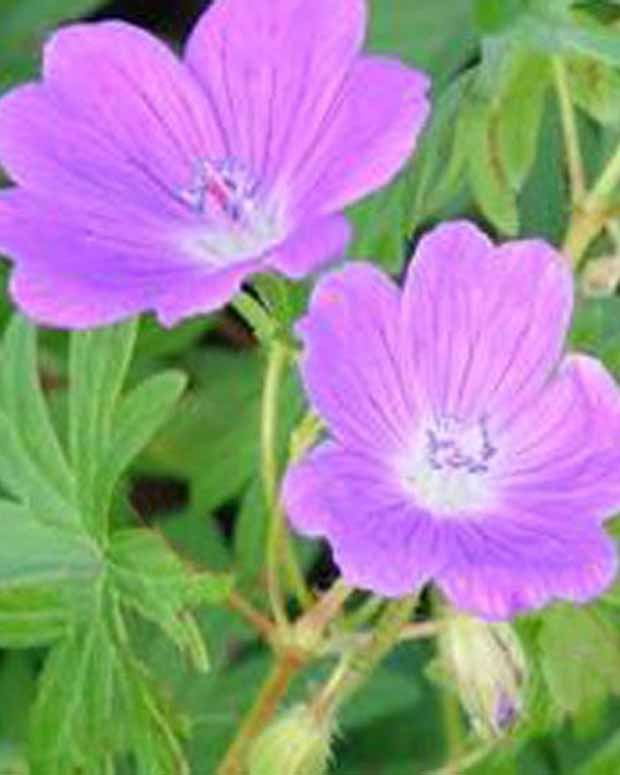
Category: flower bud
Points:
column 486, row 662
column 296, row 744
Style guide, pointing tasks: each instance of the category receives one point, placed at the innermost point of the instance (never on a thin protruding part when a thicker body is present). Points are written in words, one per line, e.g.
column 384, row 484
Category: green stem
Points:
column 605, row 185
column 356, row 667
column 363, row 614
column 276, row 369
column 571, row 134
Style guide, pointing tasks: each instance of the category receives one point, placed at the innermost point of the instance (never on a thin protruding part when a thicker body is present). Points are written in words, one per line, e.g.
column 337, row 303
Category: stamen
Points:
column 221, row 188
column 448, row 469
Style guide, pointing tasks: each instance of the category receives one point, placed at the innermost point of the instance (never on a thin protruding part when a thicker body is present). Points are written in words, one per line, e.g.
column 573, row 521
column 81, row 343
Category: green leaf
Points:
column 251, row 533
column 518, row 115
column 32, row 552
column 25, row 24
column 285, row 299
column 437, row 37
column 224, row 403
column 87, row 685
column 381, row 227
column 23, row 401
column 137, row 418
column 605, row 760
column 544, row 201
column 595, row 87
column 580, row 657
column 74, row 721
column 494, row 16
column 32, row 465
column 32, row 616
column 487, row 175
column 157, row 342
column 553, row 27
column 153, row 580
column 17, row 691
column 98, row 364
column 595, row 330
column 438, row 171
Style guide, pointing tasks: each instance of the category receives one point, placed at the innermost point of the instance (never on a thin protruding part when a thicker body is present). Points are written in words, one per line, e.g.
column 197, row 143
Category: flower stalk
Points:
column 265, row 706
column 356, row 667
column 278, row 544
column 571, row 135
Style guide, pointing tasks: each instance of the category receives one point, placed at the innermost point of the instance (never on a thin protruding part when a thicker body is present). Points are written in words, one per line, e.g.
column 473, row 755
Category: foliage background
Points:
column 195, row 483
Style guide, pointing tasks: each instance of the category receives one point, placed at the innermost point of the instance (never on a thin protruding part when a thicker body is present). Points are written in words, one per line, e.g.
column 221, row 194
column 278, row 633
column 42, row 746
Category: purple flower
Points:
column 146, row 183
column 464, row 447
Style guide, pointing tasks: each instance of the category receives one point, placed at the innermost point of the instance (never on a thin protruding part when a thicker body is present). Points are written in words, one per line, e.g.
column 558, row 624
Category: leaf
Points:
column 487, row 175
column 285, row 299
column 436, row 37
column 32, row 616
column 98, row 364
column 605, row 760
column 157, row 342
column 17, row 691
column 595, row 330
column 438, row 171
column 153, row 580
column 553, row 27
column 595, row 87
column 381, row 227
column 580, row 657
column 518, row 115
column 224, row 404
column 137, row 418
column 74, row 721
column 87, row 685
column 32, row 464
column 24, row 26
column 544, row 201
column 23, row 401
column 33, row 553
column 494, row 16
column 251, row 533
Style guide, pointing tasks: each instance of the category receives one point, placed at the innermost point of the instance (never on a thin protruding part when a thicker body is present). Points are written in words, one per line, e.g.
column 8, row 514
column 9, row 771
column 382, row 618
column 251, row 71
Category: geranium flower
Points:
column 463, row 446
column 149, row 183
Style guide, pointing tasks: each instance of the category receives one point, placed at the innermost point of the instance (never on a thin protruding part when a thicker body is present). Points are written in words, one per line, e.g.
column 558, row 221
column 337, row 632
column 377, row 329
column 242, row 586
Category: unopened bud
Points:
column 486, row 662
column 296, row 744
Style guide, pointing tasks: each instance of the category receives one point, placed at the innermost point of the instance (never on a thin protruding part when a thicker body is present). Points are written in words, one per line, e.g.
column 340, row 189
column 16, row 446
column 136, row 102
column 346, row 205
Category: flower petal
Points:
column 380, row 541
column 366, row 140
column 486, row 325
column 561, row 453
column 311, row 246
column 117, row 115
column 79, row 270
column 350, row 364
column 509, row 566
column 272, row 70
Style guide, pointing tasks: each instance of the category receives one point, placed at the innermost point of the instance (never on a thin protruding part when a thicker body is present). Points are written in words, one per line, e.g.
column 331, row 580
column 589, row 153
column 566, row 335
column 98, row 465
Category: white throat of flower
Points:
column 449, row 470
column 237, row 223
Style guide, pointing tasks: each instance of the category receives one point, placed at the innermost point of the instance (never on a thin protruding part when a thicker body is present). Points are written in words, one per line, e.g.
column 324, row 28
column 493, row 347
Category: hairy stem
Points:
column 357, row 666
column 260, row 715
column 251, row 614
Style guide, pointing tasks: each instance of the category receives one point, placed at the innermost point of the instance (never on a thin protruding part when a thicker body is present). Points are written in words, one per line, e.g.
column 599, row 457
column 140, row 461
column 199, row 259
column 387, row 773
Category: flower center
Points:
column 222, row 188
column 449, row 471
column 236, row 223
